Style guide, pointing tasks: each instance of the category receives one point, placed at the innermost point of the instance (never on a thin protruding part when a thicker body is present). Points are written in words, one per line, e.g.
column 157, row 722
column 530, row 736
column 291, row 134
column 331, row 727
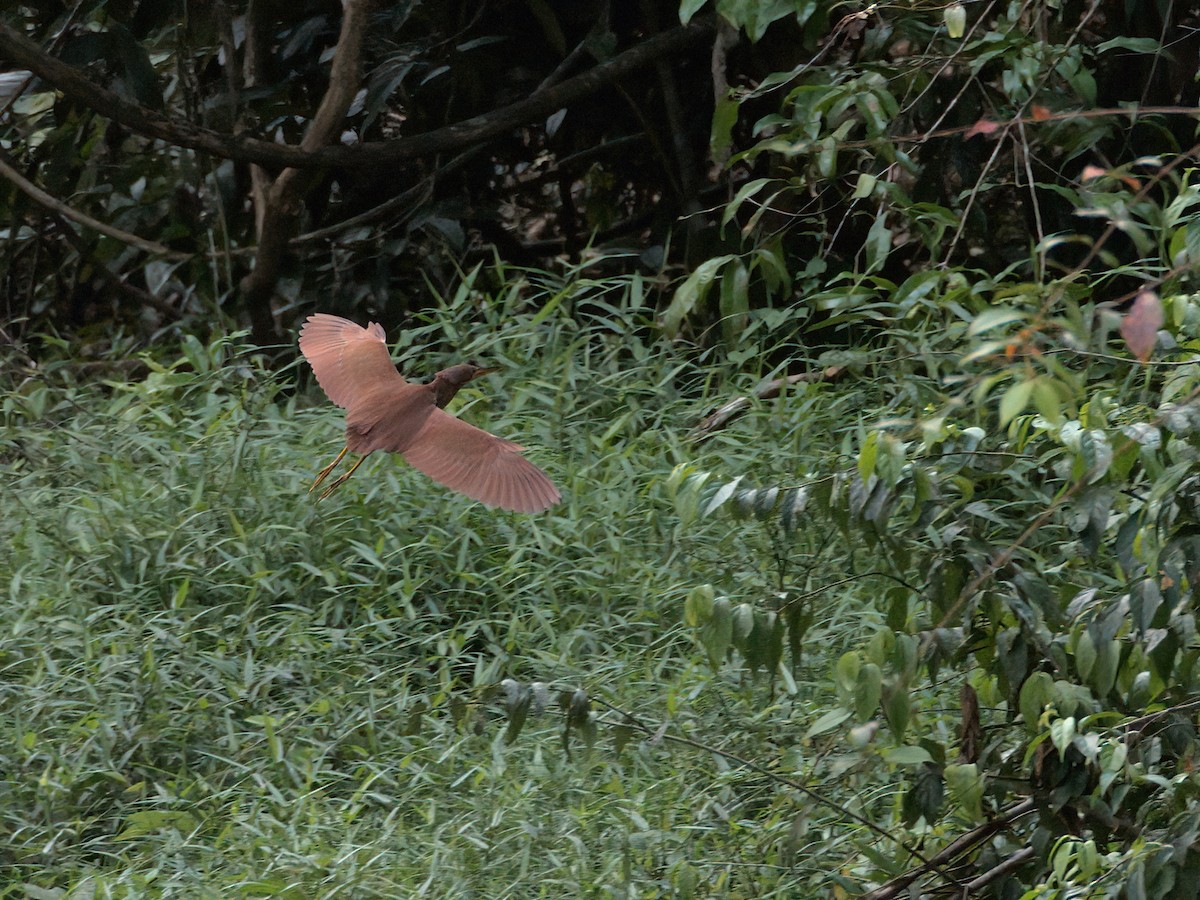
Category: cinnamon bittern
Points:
column 385, row 412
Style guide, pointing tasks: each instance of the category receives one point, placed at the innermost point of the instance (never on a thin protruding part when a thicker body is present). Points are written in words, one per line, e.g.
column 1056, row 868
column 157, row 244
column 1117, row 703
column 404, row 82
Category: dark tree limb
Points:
column 143, row 298
column 76, row 85
column 278, row 202
column 727, row 38
column 960, row 846
column 681, row 153
column 1014, row 862
column 56, row 206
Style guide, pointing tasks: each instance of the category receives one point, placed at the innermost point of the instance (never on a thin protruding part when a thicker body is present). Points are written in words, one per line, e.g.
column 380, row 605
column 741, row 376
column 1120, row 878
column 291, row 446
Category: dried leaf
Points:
column 1140, row 325
column 983, row 126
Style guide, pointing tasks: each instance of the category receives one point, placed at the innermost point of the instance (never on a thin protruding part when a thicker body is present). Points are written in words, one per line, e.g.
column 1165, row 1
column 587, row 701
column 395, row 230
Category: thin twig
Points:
column 661, row 733
column 960, row 846
column 1011, row 864
column 55, row 205
column 767, row 390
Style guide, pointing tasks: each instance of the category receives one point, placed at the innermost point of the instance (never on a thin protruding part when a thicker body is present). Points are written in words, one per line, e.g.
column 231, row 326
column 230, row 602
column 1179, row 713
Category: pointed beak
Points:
column 481, row 372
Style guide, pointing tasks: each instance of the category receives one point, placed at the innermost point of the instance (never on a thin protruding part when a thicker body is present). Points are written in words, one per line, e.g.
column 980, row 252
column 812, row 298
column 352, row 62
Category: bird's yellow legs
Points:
column 337, row 482
column 324, row 473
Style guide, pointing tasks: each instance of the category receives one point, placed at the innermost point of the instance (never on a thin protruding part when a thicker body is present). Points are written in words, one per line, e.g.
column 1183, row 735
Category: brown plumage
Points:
column 385, row 412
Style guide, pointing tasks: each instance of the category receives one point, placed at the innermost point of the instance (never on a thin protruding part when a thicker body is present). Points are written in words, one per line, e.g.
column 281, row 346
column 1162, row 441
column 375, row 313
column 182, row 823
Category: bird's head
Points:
column 462, row 373
column 447, row 382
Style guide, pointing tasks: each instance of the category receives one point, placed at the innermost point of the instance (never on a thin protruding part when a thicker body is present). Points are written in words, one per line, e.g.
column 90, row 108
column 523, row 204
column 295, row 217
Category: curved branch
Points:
column 279, row 203
column 75, row 84
column 961, row 845
column 767, row 390
column 55, row 205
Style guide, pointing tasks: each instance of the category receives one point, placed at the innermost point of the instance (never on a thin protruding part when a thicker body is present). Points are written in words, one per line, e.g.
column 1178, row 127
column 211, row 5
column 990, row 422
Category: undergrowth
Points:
column 214, row 685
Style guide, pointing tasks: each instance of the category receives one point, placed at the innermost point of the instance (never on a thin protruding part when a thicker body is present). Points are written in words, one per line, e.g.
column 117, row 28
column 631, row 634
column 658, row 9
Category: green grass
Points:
column 215, row 686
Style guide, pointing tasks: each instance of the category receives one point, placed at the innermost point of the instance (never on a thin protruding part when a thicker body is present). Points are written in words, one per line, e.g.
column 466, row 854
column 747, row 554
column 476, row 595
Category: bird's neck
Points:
column 443, row 391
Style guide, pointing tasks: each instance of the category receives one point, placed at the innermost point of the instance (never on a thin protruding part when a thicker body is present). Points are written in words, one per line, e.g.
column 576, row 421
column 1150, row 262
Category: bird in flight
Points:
column 386, row 412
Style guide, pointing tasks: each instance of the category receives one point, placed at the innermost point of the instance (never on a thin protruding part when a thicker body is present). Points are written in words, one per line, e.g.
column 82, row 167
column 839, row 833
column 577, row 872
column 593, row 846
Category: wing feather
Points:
column 348, row 360
column 482, row 466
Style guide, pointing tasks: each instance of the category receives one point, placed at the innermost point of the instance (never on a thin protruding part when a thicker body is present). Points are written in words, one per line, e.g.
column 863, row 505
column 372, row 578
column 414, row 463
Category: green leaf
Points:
column 745, row 192
column 724, row 492
column 769, row 263
column 693, row 290
column 1085, row 655
column 1014, row 401
column 907, row 756
column 689, row 8
column 868, row 691
column 1096, row 453
column 966, row 787
column 897, row 707
column 687, row 497
column 735, row 301
column 698, row 607
column 725, row 116
column 1104, row 672
column 879, row 242
column 1062, row 733
column 1047, row 401
column 827, row 158
column 139, row 824
column 864, row 187
column 1087, row 858
column 847, row 669
column 1145, row 599
column 677, row 477
column 867, row 455
column 994, row 317
column 716, row 635
column 1035, row 694
column 1136, row 44
column 827, row 722
column 955, row 17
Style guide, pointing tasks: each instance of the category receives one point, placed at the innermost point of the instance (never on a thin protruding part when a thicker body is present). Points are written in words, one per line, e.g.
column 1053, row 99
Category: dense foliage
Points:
column 871, row 390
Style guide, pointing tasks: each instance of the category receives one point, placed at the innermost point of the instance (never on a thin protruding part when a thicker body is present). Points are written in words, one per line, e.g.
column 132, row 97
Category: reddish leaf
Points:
column 1140, row 325
column 1040, row 113
column 983, row 126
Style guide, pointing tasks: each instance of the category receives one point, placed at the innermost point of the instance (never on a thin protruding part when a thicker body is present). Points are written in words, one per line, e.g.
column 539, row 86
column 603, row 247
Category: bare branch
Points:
column 55, row 205
column 74, row 83
column 279, row 214
column 720, row 417
column 961, row 845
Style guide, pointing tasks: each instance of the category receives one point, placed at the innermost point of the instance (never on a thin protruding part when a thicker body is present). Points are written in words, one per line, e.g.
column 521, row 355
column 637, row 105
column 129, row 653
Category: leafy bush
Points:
column 920, row 618
column 213, row 681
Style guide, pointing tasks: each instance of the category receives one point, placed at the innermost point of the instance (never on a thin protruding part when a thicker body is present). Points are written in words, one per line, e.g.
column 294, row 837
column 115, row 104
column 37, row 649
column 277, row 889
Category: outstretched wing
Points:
column 482, row 466
column 348, row 360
